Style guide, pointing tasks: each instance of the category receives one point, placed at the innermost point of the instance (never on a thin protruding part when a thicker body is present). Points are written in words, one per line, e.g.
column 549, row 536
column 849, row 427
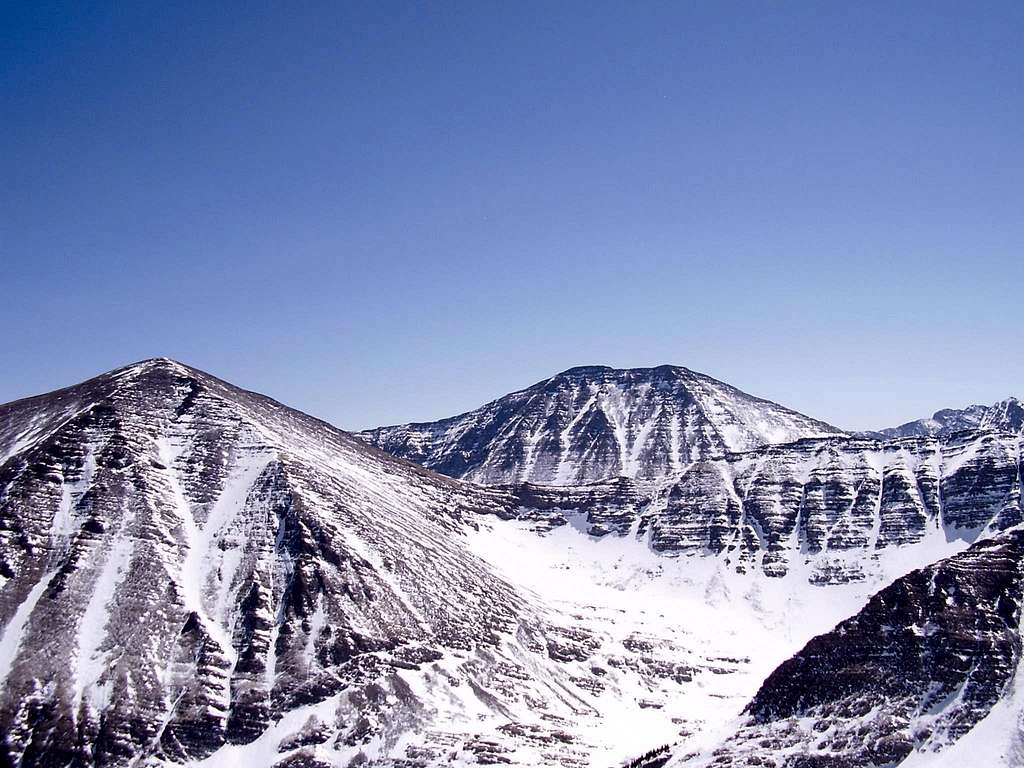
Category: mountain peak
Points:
column 593, row 422
column 154, row 363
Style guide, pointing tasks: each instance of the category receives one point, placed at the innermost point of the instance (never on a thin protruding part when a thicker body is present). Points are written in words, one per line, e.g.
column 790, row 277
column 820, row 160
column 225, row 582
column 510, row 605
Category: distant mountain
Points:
column 1004, row 416
column 596, row 422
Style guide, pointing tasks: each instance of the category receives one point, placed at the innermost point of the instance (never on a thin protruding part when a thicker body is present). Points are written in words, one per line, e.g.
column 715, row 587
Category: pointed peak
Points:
column 160, row 363
column 155, row 366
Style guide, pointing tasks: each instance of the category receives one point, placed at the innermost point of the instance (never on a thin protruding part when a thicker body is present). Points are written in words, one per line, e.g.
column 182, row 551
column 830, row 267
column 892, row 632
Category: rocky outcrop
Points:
column 595, row 422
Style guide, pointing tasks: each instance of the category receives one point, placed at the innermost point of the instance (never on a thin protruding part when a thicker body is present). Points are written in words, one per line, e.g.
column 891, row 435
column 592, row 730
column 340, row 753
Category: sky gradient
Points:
column 383, row 212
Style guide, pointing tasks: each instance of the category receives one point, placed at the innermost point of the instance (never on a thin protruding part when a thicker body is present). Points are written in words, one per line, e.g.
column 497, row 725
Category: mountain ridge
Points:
column 1006, row 415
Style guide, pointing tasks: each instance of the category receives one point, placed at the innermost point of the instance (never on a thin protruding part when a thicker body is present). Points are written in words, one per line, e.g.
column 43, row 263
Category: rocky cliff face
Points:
column 915, row 670
column 595, row 422
column 828, row 507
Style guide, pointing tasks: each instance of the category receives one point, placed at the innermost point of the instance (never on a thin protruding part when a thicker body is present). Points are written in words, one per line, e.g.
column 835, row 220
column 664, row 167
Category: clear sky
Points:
column 383, row 212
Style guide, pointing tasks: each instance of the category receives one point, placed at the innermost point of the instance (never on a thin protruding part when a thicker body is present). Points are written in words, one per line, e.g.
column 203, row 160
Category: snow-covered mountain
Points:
column 195, row 574
column 596, row 422
column 1005, row 416
column 182, row 561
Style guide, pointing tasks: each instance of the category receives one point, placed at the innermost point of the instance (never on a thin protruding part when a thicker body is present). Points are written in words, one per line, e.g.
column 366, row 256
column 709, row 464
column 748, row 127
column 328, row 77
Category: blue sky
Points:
column 382, row 212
